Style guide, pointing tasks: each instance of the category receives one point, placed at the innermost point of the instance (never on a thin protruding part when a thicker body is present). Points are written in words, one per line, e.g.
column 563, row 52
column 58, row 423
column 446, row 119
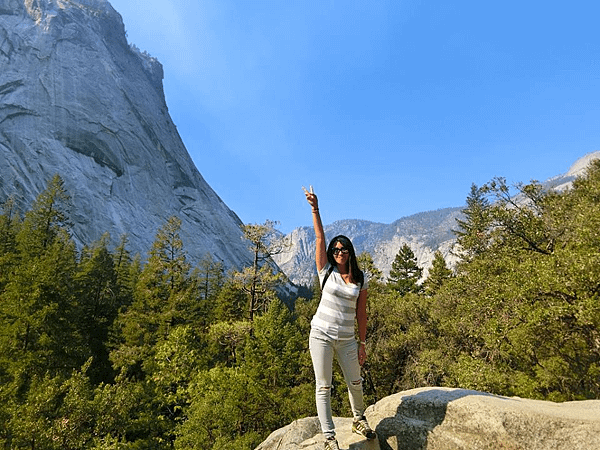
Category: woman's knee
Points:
column 356, row 385
column 323, row 391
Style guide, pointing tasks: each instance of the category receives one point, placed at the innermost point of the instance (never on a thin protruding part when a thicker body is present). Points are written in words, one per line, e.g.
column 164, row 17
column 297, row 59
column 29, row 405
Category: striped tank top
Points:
column 336, row 313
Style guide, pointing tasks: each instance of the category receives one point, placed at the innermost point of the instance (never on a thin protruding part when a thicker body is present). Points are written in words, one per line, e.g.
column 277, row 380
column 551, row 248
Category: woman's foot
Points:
column 331, row 444
column 361, row 426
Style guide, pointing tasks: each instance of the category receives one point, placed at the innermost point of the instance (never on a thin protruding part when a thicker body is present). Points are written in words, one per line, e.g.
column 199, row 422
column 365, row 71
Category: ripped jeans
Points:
column 322, row 349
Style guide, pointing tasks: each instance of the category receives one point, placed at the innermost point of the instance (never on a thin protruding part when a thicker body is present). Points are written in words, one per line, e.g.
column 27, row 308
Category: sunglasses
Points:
column 341, row 250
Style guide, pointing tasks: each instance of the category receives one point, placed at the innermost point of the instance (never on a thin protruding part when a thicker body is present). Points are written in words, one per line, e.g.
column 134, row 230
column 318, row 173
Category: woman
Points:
column 343, row 299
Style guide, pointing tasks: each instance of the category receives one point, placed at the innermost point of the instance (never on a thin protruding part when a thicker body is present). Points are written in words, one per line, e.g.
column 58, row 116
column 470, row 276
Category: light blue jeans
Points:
column 322, row 349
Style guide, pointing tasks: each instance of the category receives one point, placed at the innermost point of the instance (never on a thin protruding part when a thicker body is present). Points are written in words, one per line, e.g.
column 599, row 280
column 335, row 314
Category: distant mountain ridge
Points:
column 424, row 232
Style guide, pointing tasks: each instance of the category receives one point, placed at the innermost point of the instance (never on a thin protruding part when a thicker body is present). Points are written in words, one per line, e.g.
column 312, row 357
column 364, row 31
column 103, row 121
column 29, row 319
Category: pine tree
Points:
column 438, row 274
column 260, row 279
column 231, row 302
column 9, row 226
column 366, row 264
column 211, row 277
column 167, row 267
column 163, row 298
column 260, row 284
column 95, row 287
column 127, row 271
column 405, row 272
column 38, row 311
column 473, row 235
column 522, row 317
column 47, row 222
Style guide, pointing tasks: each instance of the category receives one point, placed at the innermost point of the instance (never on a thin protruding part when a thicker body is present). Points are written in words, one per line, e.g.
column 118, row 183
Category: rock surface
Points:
column 306, row 434
column 76, row 99
column 458, row 419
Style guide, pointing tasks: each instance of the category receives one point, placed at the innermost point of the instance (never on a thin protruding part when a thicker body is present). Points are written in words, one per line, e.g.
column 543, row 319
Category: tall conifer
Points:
column 405, row 272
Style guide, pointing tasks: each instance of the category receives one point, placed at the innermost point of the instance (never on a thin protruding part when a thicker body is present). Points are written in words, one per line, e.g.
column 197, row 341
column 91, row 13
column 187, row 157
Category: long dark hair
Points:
column 355, row 272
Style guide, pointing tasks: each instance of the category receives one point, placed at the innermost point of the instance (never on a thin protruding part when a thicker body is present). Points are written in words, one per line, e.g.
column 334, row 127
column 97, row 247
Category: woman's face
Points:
column 340, row 254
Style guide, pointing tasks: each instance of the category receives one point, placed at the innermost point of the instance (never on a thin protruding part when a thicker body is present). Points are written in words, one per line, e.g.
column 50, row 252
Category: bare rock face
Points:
column 458, row 419
column 77, row 100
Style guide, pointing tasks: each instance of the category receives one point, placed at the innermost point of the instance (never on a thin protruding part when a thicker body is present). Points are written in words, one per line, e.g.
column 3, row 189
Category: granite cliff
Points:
column 77, row 100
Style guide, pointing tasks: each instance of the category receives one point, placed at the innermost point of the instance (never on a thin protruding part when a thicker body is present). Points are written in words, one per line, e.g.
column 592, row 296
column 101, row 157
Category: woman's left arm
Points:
column 361, row 318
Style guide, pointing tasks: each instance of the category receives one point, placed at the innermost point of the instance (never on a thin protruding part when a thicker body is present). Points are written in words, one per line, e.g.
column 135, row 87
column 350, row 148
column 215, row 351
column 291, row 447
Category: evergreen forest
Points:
column 102, row 349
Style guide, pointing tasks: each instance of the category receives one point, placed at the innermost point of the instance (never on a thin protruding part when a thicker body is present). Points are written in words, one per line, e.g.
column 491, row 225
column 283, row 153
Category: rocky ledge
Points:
column 457, row 419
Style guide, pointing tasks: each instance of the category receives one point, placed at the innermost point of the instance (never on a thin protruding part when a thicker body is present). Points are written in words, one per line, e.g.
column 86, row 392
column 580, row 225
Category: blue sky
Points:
column 387, row 108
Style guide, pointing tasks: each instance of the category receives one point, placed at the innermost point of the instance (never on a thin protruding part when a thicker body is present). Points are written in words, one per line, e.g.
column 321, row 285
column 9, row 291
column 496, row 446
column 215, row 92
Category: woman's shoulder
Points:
column 326, row 268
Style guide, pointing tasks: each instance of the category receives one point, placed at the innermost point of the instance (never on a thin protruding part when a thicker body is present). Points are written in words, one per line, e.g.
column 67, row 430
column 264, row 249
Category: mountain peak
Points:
column 579, row 166
column 44, row 11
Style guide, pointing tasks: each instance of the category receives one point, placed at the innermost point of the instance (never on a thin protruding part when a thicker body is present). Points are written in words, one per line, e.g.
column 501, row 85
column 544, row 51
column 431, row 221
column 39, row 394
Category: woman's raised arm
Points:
column 321, row 248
